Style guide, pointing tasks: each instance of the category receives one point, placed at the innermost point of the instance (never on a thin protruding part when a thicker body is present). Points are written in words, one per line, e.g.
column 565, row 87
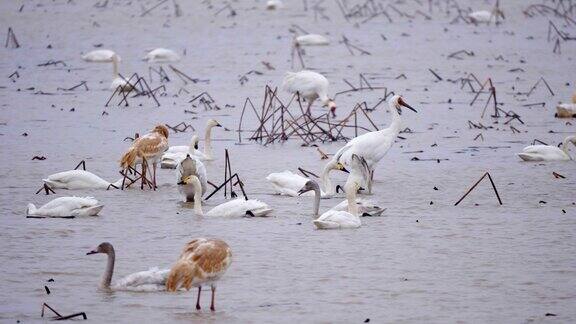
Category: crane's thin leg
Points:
column 198, row 299
column 154, row 175
column 213, row 293
column 143, row 175
column 308, row 112
column 370, row 181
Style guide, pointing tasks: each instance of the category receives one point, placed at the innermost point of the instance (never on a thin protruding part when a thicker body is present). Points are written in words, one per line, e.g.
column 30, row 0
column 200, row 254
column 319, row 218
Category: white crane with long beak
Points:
column 311, row 86
column 373, row 146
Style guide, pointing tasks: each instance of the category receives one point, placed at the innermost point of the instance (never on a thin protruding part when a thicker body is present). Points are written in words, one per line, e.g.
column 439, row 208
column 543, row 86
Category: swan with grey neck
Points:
column 152, row 280
column 191, row 166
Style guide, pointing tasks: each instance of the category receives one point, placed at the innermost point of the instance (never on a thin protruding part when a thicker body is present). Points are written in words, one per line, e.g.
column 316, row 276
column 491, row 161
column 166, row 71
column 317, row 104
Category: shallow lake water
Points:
column 424, row 260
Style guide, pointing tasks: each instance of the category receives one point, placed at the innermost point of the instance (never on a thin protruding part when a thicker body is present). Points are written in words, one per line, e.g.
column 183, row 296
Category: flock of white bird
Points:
column 204, row 261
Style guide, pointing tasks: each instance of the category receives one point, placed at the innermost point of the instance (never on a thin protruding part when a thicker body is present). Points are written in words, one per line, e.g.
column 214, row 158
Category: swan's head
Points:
column 398, row 102
column 212, row 123
column 161, row 129
column 308, row 186
column 104, row 247
column 194, row 141
column 335, row 165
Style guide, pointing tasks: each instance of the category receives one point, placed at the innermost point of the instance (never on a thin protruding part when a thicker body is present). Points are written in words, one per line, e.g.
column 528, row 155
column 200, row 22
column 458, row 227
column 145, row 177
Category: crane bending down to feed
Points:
column 150, row 147
column 311, row 86
column 373, row 146
column 203, row 261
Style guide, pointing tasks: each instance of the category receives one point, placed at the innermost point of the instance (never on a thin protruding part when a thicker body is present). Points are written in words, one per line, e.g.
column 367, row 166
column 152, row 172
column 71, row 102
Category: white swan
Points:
column 119, row 82
column 485, row 16
column 67, row 206
column 274, row 4
column 161, row 55
column 288, row 183
column 311, row 40
column 373, row 146
column 151, row 280
column 548, row 152
column 238, row 207
column 311, row 86
column 100, row 56
column 78, row 179
column 336, row 219
column 186, row 169
column 177, row 153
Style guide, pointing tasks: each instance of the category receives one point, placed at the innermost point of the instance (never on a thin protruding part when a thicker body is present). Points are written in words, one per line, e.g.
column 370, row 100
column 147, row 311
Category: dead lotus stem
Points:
column 476, row 184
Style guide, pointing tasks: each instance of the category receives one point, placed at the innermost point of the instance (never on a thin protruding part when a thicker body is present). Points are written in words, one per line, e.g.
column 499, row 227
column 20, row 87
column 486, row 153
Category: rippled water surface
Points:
column 425, row 260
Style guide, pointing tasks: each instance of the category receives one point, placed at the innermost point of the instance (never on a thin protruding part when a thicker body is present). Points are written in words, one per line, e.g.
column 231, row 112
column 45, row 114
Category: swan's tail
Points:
column 31, row 210
column 325, row 225
column 181, row 275
column 128, row 159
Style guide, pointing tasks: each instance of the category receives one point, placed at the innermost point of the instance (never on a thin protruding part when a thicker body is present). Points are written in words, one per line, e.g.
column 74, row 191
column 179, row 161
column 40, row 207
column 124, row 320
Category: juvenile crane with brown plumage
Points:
column 203, row 261
column 149, row 147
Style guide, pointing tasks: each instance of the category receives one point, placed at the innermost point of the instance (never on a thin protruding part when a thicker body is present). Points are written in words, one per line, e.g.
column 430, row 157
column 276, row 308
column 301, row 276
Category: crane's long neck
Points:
column 396, row 122
column 115, row 66
column 107, row 278
column 326, row 182
column 317, row 195
column 208, row 142
column 323, row 96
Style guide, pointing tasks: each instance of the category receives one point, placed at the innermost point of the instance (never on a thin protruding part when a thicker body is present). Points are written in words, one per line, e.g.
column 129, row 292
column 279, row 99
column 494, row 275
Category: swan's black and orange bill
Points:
column 92, row 252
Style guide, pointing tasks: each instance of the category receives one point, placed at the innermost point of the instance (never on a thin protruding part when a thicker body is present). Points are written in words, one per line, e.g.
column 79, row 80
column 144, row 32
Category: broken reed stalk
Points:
column 476, row 184
column 11, row 39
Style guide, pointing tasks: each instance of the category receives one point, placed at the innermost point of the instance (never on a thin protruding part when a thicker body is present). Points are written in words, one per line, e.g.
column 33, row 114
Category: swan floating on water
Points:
column 485, row 16
column 186, row 169
column 203, row 261
column 566, row 110
column 373, row 146
column 67, row 206
column 175, row 154
column 288, row 183
column 161, row 55
column 78, row 179
column 153, row 279
column 100, row 56
column 311, row 40
column 119, row 82
column 274, row 4
column 238, row 207
column 311, row 86
column 336, row 219
column 548, row 152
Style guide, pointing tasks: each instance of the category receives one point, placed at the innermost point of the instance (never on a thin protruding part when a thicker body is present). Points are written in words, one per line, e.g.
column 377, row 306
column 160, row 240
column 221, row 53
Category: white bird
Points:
column 119, row 82
column 485, row 16
column 100, row 56
column 288, row 183
column 336, row 219
column 153, row 279
column 274, row 4
column 188, row 167
column 311, row 40
column 67, row 206
column 176, row 153
column 161, row 55
column 548, row 152
column 203, row 261
column 78, row 179
column 373, row 146
column 311, row 86
column 238, row 207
